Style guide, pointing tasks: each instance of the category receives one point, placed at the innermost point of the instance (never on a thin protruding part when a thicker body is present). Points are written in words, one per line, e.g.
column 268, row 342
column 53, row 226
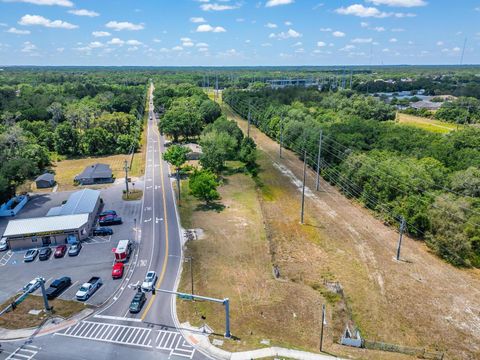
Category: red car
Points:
column 60, row 251
column 117, row 270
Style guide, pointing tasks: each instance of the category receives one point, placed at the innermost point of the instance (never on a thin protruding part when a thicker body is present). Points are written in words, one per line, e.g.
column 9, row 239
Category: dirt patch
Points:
column 20, row 317
column 420, row 302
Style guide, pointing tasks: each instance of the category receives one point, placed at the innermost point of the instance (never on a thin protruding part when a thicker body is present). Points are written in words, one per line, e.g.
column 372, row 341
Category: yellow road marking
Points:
column 165, row 259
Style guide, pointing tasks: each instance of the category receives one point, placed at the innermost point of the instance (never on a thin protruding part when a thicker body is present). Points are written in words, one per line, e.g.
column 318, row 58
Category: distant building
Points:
column 45, row 181
column 425, row 104
column 95, row 174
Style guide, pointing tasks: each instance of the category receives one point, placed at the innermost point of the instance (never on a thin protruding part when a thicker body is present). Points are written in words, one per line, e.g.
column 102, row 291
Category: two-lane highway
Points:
column 112, row 332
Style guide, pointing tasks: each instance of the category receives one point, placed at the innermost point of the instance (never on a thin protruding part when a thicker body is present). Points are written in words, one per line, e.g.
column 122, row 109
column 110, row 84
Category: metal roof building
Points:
column 94, row 174
column 80, row 202
column 45, row 225
column 45, row 180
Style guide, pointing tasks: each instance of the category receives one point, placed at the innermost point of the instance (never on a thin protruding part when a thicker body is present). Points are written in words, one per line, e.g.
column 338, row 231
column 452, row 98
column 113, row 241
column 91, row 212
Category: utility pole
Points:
column 249, row 118
column 190, row 260
column 303, row 187
column 281, row 137
column 324, row 322
column 402, row 229
column 44, row 295
column 178, row 183
column 318, row 159
column 126, row 176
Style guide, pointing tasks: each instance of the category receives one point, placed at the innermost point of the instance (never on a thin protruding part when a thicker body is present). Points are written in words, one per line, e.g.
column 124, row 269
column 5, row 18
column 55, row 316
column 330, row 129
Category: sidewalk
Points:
column 50, row 326
column 201, row 342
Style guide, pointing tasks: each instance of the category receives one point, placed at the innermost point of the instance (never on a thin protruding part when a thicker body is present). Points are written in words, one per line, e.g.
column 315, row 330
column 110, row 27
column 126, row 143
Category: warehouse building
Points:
column 76, row 217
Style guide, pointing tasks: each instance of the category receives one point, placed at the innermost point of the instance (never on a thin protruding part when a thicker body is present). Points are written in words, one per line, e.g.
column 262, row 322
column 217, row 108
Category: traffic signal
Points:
column 153, row 291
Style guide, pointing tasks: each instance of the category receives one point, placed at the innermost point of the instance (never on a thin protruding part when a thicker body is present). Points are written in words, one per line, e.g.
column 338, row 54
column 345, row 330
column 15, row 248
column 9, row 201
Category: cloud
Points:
column 197, row 20
column 210, row 28
column 201, row 44
column 393, row 40
column 347, row 48
column 124, row 25
column 177, row 48
column 186, row 42
column 338, row 34
column 272, row 3
column 116, row 41
column 266, row 45
column 286, row 35
column 326, row 29
column 16, row 31
column 399, row 3
column 66, row 3
column 271, row 25
column 84, row 12
column 364, row 24
column 218, row 7
column 28, row 47
column 362, row 40
column 378, row 29
column 361, row 11
column 96, row 44
column 28, row 20
column 133, row 43
column 101, row 33
column 321, row 44
column 440, row 43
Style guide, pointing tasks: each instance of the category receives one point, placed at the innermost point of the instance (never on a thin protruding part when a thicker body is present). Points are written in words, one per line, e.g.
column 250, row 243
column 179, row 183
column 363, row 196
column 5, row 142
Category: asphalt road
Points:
column 112, row 332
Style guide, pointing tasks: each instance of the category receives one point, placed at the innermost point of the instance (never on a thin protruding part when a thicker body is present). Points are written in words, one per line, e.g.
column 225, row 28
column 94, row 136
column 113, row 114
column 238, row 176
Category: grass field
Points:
column 20, row 318
column 427, row 124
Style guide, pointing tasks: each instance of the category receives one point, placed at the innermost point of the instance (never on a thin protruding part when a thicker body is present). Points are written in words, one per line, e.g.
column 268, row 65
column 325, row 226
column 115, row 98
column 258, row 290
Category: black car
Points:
column 44, row 253
column 137, row 302
column 110, row 220
column 107, row 213
column 74, row 249
column 58, row 286
column 101, row 231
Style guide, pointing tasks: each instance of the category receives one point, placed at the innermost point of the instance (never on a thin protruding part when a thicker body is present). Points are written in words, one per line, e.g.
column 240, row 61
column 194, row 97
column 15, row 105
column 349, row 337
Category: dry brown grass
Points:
column 427, row 124
column 20, row 318
column 422, row 302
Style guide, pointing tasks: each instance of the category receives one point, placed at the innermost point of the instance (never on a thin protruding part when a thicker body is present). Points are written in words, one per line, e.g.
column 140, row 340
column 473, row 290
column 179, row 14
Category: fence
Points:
column 421, row 353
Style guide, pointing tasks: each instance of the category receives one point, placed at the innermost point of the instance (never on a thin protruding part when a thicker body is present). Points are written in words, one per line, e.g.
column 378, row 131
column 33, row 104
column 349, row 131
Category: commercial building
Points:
column 95, row 174
column 75, row 217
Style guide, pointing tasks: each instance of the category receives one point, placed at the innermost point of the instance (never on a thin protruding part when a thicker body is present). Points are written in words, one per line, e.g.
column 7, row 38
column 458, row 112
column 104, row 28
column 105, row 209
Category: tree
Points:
column 182, row 119
column 67, row 139
column 17, row 170
column 210, row 111
column 203, row 185
column 177, row 156
column 97, row 141
column 467, row 181
column 56, row 110
column 217, row 147
column 248, row 153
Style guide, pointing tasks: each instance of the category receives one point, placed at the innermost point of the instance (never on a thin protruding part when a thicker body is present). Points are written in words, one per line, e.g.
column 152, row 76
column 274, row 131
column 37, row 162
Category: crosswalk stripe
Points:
column 171, row 341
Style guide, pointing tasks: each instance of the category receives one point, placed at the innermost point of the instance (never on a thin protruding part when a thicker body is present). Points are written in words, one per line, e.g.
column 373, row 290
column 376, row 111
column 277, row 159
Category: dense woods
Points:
column 431, row 180
column 47, row 115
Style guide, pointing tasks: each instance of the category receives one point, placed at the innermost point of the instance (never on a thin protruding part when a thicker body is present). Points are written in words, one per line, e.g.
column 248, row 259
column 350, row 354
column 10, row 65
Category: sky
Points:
column 239, row 33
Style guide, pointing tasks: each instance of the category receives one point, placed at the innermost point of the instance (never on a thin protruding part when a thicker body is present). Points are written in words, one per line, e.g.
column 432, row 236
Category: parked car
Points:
column 137, row 302
column 74, row 249
column 33, row 285
column 89, row 288
column 30, row 255
column 72, row 239
column 117, row 270
column 58, row 286
column 3, row 244
column 110, row 220
column 60, row 251
column 107, row 213
column 102, row 231
column 44, row 253
column 150, row 281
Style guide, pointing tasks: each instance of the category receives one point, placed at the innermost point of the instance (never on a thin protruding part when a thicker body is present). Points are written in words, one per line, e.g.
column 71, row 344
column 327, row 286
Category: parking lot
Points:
column 95, row 258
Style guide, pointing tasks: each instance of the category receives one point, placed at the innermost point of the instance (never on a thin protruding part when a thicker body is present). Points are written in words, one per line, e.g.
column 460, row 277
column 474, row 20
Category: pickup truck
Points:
column 58, row 286
column 88, row 288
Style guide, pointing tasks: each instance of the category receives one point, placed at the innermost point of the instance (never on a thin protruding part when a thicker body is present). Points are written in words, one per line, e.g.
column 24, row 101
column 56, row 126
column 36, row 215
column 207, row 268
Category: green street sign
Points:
column 185, row 296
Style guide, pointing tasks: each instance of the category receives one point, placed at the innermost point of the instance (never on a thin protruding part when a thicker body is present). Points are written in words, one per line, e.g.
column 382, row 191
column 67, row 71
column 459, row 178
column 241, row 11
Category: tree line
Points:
column 432, row 180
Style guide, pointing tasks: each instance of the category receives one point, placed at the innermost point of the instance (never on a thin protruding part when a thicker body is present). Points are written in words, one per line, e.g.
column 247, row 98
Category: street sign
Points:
column 185, row 296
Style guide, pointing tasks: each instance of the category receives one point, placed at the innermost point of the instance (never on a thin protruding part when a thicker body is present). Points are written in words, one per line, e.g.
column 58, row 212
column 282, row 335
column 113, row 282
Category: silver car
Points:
column 30, row 255
column 33, row 285
column 3, row 244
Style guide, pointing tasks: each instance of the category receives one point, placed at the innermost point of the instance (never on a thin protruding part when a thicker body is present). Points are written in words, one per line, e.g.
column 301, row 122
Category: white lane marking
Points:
column 24, row 352
column 158, row 219
column 119, row 318
column 148, row 220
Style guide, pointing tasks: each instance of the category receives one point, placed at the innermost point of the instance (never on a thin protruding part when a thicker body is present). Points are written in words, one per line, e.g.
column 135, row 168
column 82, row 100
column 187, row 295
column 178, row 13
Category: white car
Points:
column 3, row 244
column 150, row 281
column 33, row 285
